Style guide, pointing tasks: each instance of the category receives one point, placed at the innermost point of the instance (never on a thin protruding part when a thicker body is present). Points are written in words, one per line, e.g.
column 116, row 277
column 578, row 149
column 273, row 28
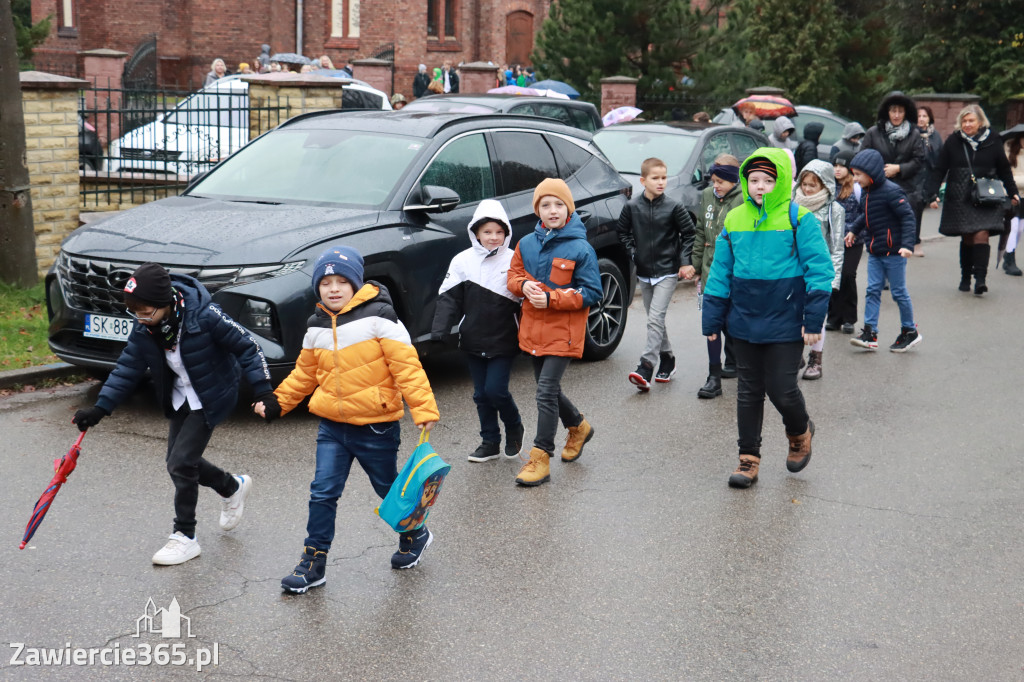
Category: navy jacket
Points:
column 214, row 349
column 887, row 222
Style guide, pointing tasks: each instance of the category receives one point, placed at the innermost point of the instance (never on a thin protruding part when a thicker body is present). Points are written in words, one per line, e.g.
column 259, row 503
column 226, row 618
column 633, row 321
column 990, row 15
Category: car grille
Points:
column 149, row 154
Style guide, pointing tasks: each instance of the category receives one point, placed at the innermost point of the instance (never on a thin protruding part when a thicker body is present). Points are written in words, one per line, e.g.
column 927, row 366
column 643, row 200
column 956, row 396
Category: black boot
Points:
column 1010, row 264
column 965, row 266
column 713, row 387
column 981, row 255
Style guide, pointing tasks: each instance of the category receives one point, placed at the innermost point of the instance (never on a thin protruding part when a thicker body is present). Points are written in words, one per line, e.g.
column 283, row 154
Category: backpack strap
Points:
column 794, row 221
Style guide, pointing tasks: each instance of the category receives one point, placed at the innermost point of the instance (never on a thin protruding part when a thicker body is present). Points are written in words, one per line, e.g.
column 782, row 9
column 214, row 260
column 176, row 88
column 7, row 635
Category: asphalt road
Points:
column 895, row 555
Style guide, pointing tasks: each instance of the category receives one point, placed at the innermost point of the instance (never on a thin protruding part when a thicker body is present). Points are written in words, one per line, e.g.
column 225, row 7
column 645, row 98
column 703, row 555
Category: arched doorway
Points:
column 518, row 37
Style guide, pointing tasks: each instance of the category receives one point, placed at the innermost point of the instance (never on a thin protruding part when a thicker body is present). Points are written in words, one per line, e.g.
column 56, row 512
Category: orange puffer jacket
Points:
column 359, row 364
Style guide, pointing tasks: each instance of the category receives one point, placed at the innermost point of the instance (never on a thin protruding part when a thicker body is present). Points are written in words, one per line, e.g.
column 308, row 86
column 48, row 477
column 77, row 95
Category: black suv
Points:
column 571, row 112
column 400, row 187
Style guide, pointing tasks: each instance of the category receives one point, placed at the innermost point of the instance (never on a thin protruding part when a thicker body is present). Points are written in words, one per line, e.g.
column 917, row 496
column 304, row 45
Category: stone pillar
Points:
column 945, row 107
column 378, row 73
column 103, row 69
column 276, row 97
column 617, row 91
column 477, row 77
column 50, row 104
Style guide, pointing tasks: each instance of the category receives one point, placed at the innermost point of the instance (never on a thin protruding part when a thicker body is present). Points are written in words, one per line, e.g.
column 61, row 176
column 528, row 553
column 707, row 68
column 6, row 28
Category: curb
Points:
column 30, row 375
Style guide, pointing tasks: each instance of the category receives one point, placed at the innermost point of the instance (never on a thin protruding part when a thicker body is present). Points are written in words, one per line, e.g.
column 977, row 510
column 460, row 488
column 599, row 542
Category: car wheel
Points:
column 607, row 320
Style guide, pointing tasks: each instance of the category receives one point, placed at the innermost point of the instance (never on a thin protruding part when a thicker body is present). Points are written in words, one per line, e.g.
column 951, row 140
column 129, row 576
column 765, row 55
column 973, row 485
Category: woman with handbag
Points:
column 978, row 181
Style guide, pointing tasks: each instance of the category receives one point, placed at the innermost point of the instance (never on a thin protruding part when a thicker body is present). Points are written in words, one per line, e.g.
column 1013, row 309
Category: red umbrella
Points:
column 63, row 466
column 767, row 106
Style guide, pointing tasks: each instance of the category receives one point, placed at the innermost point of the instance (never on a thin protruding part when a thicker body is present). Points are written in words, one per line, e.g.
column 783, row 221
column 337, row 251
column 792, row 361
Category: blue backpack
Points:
column 414, row 492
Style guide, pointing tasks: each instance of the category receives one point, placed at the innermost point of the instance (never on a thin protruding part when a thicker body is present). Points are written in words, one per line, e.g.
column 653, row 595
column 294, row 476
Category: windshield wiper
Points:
column 255, row 201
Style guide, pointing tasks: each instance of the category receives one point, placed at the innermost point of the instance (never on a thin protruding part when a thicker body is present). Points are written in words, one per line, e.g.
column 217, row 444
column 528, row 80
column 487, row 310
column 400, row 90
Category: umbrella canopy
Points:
column 767, row 106
column 1015, row 131
column 620, row 115
column 557, row 86
column 63, row 467
column 289, row 58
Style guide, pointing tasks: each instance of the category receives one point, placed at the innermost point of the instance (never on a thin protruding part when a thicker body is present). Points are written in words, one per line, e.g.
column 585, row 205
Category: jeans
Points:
column 894, row 269
column 552, row 404
column 490, row 393
column 656, row 299
column 186, row 442
column 767, row 368
column 374, row 446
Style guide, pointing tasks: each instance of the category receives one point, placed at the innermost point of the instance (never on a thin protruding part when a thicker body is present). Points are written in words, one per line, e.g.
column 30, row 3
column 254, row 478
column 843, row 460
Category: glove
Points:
column 271, row 408
column 88, row 417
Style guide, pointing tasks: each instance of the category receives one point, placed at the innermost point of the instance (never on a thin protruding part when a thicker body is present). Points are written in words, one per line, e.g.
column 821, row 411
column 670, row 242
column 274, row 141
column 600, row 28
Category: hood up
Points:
column 870, row 161
column 782, row 124
column 812, row 131
column 489, row 209
column 896, row 97
column 852, row 129
column 779, row 196
column 825, row 172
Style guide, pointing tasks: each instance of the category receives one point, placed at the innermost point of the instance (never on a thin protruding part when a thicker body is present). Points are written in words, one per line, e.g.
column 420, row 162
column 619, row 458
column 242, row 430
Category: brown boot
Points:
column 746, row 475
column 537, row 470
column 800, row 449
column 578, row 437
column 813, row 370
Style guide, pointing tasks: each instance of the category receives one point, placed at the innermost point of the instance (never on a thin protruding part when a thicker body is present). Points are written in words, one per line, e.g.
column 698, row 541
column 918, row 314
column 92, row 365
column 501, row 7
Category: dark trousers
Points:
column 186, row 442
column 491, row 395
column 715, row 350
column 552, row 404
column 842, row 307
column 767, row 369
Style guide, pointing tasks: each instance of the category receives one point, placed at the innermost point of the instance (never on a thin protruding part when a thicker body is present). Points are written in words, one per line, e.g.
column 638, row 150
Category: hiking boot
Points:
column 1010, row 264
column 641, row 377
column 179, row 549
column 728, row 371
column 868, row 338
column 848, row 328
column 231, row 508
column 410, row 547
column 537, row 470
column 485, row 451
column 800, row 449
column 579, row 436
column 666, row 368
column 712, row 388
column 908, row 338
column 746, row 474
column 514, row 440
column 813, row 370
column 311, row 571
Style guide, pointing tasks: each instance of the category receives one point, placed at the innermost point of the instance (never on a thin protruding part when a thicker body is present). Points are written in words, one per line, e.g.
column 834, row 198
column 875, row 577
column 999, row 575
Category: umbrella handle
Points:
column 78, row 442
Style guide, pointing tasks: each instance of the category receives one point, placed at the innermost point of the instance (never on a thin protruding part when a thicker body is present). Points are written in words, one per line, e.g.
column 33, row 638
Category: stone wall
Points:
column 275, row 98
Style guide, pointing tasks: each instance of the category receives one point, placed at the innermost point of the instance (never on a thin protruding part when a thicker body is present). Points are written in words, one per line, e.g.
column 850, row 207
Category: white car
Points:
column 206, row 127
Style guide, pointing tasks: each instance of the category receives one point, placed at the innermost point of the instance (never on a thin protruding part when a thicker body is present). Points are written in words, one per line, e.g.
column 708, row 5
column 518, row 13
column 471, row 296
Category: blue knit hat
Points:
column 339, row 260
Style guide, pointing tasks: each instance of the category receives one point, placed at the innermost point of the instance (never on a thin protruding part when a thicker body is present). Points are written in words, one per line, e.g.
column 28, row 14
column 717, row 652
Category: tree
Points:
column 28, row 34
column 17, row 238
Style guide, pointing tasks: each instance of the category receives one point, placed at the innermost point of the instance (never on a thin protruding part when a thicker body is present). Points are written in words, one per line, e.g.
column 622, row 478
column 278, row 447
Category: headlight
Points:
column 259, row 318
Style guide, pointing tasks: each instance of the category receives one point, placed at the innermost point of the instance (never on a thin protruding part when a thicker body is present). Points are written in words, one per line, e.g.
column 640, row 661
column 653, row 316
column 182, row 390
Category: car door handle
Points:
column 583, row 215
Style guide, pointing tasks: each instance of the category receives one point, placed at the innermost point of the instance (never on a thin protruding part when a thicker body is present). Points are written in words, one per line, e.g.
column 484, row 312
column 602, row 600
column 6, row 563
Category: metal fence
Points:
column 140, row 145
column 678, row 106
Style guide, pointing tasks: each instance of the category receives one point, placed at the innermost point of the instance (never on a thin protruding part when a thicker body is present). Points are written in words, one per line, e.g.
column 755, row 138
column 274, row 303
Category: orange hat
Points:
column 553, row 187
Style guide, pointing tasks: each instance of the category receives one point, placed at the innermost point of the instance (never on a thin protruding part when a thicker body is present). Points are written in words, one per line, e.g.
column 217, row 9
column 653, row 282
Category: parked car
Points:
column 834, row 124
column 687, row 148
column 206, row 127
column 400, row 187
column 582, row 115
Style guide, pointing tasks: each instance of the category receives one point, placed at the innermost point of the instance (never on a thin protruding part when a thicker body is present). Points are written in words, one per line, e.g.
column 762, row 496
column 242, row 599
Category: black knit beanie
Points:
column 150, row 283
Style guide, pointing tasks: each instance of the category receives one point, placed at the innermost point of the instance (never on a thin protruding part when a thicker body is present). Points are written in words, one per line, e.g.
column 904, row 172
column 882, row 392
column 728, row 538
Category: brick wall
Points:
column 945, row 108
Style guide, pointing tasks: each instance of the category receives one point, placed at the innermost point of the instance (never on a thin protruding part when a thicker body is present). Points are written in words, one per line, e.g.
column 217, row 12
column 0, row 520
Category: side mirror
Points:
column 435, row 199
column 699, row 180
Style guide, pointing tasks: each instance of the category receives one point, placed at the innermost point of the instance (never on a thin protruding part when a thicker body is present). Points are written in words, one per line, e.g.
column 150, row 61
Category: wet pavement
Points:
column 895, row 555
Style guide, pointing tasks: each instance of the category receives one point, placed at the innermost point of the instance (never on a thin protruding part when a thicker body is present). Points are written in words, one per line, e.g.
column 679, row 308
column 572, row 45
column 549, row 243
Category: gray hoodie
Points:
column 852, row 129
column 782, row 124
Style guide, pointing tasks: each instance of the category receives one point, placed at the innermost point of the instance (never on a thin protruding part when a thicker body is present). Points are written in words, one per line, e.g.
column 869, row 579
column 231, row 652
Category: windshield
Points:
column 447, row 105
column 314, row 166
column 212, row 109
column 627, row 149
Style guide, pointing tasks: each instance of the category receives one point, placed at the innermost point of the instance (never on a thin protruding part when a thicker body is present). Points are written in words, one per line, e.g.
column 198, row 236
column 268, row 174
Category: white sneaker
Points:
column 233, row 507
column 178, row 550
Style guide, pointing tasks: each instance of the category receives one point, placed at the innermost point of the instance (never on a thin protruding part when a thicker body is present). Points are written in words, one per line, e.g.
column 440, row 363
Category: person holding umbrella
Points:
column 1008, row 240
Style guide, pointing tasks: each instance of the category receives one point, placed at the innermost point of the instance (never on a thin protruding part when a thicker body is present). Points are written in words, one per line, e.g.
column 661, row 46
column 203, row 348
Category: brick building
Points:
column 190, row 34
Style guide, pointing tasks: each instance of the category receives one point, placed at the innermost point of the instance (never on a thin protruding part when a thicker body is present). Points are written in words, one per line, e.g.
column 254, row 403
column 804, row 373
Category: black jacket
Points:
column 419, row 84
column 909, row 152
column 807, row 150
column 887, row 223
column 453, row 80
column 658, row 234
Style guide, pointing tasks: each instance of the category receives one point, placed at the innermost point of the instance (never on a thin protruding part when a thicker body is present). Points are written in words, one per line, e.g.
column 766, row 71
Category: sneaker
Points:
column 514, row 440
column 908, row 338
column 410, row 547
column 179, row 549
column 579, row 436
column 666, row 368
column 868, row 338
column 848, row 328
column 728, row 371
column 485, row 451
column 311, row 571
column 641, row 377
column 231, row 508
column 746, row 474
column 537, row 470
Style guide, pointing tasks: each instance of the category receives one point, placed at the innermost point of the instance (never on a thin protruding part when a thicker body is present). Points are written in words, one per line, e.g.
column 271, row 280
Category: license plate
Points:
column 110, row 328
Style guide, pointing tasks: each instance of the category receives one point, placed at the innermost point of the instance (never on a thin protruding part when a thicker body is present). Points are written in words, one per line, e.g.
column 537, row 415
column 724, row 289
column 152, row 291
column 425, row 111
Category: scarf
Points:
column 978, row 138
column 897, row 133
column 929, row 130
column 168, row 333
column 813, row 202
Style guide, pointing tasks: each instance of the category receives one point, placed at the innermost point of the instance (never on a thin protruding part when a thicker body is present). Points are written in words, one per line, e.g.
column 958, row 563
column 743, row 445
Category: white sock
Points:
column 1011, row 241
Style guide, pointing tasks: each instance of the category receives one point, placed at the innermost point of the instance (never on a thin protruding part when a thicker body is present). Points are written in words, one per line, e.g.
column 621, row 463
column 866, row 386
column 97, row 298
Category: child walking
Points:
column 887, row 225
column 555, row 270
column 718, row 199
column 816, row 191
column 658, row 233
column 475, row 295
column 842, row 309
column 358, row 363
column 193, row 352
column 771, row 281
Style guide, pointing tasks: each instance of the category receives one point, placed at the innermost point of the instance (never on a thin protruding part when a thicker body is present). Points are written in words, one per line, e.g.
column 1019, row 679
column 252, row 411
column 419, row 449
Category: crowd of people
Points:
column 266, row 62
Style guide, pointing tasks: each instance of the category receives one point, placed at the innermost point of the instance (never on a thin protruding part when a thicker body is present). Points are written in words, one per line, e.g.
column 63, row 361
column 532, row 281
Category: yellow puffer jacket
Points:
column 359, row 364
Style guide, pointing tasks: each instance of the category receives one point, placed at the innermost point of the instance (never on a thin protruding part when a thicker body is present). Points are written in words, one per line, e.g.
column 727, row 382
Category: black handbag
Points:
column 985, row 192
